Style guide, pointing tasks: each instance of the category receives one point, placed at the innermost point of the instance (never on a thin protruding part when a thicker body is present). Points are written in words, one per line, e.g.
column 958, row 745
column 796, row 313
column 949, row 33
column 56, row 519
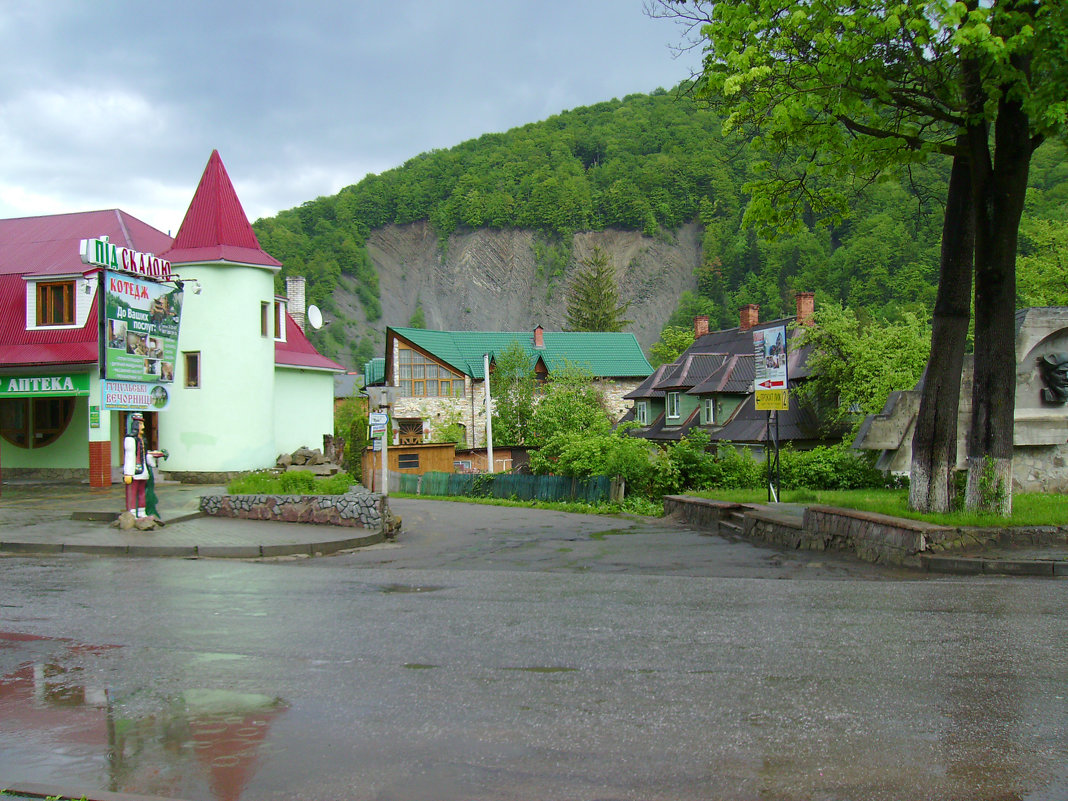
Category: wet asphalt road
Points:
column 509, row 654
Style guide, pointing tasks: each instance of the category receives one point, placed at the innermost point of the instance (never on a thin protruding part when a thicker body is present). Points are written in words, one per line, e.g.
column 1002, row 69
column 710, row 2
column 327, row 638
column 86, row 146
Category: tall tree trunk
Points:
column 999, row 186
column 934, row 441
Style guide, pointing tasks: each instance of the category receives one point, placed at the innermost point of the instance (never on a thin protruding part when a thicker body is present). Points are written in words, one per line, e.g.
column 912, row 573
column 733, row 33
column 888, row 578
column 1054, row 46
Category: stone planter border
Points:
column 358, row 507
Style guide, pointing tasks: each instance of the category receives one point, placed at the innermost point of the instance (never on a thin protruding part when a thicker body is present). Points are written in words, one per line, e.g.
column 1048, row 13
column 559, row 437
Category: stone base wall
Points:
column 358, row 507
column 200, row 476
column 872, row 537
column 71, row 474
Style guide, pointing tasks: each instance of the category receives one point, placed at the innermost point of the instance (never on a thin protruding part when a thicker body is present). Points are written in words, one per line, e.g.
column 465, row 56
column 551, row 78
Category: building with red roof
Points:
column 240, row 384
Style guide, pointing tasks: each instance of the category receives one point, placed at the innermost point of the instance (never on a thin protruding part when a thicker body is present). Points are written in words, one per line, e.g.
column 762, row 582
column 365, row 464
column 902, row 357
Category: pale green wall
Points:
column 228, row 423
column 304, row 408
column 687, row 404
column 70, row 451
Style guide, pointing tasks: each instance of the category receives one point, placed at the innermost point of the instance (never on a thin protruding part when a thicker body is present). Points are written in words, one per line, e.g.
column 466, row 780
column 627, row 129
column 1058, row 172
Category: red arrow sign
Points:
column 769, row 384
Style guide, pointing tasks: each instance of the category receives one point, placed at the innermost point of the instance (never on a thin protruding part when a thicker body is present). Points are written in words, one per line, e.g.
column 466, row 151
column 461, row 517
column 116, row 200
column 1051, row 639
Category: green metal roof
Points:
column 374, row 371
column 605, row 355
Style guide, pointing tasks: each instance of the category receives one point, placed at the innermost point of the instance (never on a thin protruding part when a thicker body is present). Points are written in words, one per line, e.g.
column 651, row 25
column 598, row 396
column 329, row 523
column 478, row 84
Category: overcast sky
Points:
column 119, row 103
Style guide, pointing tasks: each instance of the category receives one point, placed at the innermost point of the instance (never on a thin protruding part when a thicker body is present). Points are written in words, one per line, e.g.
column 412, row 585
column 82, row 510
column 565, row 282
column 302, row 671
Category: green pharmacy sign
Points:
column 32, row 386
column 141, row 329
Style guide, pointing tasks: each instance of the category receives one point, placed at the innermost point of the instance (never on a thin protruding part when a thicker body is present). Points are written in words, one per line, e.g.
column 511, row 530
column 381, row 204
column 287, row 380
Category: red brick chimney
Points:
column 700, row 326
column 806, row 306
column 750, row 316
column 539, row 338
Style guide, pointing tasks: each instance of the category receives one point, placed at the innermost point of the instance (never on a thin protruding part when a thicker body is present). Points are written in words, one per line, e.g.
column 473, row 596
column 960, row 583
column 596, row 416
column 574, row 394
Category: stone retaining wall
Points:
column 871, row 537
column 358, row 507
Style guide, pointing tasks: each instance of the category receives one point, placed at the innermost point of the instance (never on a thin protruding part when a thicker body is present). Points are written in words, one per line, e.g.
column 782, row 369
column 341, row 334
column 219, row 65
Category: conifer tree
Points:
column 593, row 297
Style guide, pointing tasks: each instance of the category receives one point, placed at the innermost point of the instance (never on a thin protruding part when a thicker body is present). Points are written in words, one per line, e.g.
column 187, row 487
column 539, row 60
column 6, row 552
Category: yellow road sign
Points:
column 772, row 400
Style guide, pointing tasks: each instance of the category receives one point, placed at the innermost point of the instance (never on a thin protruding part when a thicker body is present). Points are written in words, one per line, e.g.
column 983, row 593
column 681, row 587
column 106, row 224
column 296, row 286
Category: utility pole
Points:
column 489, row 412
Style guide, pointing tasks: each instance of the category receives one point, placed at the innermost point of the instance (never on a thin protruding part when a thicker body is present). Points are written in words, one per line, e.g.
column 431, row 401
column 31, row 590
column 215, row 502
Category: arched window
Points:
column 34, row 422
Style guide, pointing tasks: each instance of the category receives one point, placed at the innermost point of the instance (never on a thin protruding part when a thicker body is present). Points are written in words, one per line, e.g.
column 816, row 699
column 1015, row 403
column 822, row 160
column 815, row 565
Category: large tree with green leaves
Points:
column 593, row 298
column 870, row 87
column 855, row 365
column 513, row 387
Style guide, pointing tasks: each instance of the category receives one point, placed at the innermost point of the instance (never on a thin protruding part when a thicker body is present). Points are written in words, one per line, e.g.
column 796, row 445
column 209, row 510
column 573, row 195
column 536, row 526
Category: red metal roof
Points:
column 297, row 351
column 215, row 227
column 51, row 246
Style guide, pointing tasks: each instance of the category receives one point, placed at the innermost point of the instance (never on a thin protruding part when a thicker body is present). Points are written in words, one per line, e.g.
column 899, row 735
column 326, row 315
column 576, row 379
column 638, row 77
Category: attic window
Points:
column 673, row 405
column 55, row 302
column 421, row 377
column 641, row 412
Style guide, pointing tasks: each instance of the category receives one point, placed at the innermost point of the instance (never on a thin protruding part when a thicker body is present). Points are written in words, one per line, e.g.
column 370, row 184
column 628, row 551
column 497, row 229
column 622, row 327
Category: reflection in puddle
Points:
column 55, row 725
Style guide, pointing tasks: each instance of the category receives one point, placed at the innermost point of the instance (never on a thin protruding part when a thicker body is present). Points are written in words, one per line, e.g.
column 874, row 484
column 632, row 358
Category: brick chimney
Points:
column 700, row 326
column 295, row 299
column 806, row 306
column 750, row 316
column 539, row 338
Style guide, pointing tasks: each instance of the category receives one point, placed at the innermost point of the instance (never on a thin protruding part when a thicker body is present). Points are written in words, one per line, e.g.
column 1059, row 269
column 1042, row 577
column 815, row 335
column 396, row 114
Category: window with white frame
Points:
column 641, row 412
column 673, row 405
column 708, row 411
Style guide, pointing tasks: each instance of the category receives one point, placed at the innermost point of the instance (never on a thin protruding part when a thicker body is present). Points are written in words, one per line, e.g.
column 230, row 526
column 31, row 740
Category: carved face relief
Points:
column 1054, row 369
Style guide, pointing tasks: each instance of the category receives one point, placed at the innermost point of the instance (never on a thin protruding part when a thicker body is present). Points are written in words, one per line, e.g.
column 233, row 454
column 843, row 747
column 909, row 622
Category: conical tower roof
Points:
column 215, row 227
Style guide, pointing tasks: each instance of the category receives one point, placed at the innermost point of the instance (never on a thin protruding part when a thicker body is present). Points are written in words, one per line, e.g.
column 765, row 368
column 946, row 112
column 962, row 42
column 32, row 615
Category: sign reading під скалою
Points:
column 141, row 328
column 115, row 257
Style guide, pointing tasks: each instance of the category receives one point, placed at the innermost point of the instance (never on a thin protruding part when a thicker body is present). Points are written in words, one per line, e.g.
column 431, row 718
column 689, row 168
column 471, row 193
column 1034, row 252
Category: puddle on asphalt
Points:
column 390, row 589
column 616, row 532
column 543, row 669
column 58, row 727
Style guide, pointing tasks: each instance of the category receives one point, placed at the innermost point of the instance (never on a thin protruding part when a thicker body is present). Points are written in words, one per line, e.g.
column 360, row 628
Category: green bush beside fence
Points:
column 507, row 485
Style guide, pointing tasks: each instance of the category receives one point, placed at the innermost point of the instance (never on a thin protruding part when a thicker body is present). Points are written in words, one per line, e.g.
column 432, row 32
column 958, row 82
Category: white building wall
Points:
column 227, row 424
column 304, row 408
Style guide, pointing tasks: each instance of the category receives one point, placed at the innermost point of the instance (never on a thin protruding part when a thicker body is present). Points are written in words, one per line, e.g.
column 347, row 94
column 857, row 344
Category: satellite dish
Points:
column 315, row 317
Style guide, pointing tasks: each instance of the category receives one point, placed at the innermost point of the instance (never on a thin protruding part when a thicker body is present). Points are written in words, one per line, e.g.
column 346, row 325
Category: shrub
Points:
column 739, row 470
column 297, row 482
column 836, row 467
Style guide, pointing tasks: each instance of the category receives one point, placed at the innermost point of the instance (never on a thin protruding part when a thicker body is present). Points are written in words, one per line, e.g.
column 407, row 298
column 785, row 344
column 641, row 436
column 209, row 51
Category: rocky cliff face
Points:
column 501, row 280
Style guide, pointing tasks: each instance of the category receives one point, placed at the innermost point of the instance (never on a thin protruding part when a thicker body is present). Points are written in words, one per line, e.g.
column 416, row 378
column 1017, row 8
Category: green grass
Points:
column 297, row 482
column 1028, row 508
column 632, row 505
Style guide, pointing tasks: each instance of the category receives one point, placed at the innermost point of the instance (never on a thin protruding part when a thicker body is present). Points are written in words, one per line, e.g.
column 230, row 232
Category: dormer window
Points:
column 55, row 302
column 641, row 412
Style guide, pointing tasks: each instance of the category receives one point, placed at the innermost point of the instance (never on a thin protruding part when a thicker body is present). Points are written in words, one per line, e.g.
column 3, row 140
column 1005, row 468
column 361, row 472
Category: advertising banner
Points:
column 135, row 396
column 141, row 321
column 770, row 386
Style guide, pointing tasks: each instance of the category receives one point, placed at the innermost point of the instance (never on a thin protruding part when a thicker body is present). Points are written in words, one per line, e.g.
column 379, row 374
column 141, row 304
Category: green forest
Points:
column 653, row 162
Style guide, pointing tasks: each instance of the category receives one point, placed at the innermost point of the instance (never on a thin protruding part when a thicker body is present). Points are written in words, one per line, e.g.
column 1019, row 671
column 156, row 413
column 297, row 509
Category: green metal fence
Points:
column 507, row 485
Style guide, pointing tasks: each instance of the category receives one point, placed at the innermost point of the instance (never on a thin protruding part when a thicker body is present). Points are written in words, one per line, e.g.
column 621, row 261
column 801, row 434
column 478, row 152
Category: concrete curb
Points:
column 973, row 566
column 63, row 793
column 197, row 551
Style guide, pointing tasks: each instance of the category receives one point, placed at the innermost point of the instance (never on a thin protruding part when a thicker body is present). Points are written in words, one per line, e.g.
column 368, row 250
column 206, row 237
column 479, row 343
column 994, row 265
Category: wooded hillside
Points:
column 647, row 164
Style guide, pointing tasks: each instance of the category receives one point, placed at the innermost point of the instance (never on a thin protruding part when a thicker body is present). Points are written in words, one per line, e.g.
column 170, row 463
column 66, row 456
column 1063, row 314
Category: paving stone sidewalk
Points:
column 50, row 518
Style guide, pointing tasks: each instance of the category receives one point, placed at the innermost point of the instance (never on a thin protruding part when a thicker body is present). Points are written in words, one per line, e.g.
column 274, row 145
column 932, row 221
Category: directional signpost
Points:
column 771, row 393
